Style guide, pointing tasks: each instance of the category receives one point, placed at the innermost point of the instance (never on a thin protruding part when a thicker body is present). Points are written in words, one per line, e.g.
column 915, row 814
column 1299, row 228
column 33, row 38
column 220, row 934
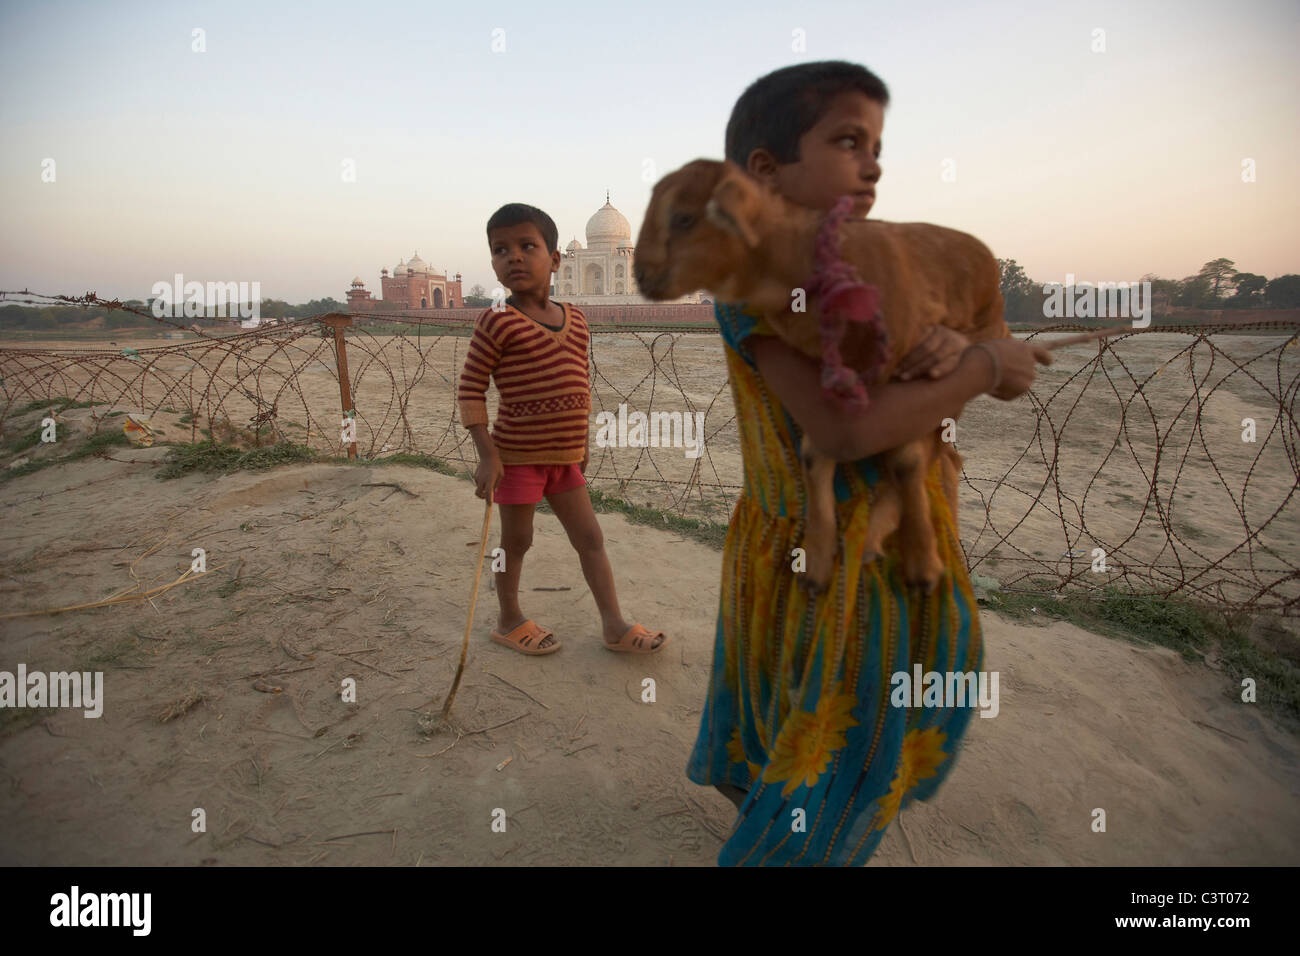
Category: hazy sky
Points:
column 227, row 164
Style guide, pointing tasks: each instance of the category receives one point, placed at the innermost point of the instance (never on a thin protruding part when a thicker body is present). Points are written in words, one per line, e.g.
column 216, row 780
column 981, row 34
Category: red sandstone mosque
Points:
column 413, row 285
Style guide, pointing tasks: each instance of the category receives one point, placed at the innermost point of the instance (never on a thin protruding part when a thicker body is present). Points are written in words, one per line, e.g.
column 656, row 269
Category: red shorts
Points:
column 529, row 484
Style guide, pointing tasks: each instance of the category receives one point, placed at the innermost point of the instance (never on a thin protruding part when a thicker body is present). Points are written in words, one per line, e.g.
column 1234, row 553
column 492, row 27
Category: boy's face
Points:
column 520, row 259
column 839, row 155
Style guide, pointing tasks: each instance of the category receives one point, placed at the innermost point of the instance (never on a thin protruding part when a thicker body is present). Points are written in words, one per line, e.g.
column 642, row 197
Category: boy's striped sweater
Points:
column 544, row 383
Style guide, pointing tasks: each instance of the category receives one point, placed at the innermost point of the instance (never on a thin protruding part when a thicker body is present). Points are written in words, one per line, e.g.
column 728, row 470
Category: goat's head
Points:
column 700, row 226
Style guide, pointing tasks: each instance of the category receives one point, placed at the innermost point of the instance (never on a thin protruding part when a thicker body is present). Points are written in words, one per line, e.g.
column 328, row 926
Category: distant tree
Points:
column 477, row 298
column 1220, row 273
column 275, row 309
column 1196, row 292
column 1021, row 295
column 1249, row 293
column 1159, row 286
column 317, row 307
column 1283, row 292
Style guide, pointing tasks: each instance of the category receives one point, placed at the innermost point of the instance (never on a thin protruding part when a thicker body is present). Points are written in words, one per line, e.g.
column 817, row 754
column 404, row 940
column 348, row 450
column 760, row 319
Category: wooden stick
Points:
column 473, row 600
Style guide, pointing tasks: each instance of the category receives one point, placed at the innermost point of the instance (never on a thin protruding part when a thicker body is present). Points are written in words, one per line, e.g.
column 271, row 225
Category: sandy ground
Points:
column 339, row 580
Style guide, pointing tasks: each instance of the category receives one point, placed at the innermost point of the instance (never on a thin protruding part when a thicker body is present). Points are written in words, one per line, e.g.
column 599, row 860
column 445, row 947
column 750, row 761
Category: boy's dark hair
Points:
column 518, row 213
column 777, row 109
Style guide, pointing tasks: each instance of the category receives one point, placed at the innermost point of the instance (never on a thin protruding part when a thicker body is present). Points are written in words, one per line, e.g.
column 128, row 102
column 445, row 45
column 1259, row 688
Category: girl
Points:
column 799, row 715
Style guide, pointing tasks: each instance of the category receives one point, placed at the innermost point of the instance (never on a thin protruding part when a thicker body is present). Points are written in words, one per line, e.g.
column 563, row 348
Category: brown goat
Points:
column 711, row 226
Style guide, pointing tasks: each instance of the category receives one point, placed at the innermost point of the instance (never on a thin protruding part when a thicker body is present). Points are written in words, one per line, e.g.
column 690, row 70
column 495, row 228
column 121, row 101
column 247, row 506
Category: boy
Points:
column 536, row 351
column 798, row 716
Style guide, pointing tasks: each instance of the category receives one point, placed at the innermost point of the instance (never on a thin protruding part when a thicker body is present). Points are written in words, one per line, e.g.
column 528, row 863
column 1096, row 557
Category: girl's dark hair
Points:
column 518, row 213
column 777, row 109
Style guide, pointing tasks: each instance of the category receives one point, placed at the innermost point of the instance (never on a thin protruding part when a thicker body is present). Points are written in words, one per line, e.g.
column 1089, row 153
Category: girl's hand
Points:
column 487, row 475
column 1015, row 363
column 937, row 354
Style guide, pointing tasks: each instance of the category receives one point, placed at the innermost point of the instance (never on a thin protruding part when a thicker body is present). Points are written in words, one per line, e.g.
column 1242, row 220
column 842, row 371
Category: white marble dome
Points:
column 416, row 264
column 607, row 227
column 357, row 281
column 400, row 268
column 574, row 246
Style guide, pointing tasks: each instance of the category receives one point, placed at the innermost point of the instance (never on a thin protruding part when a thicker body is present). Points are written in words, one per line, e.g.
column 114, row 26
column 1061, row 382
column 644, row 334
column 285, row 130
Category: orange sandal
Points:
column 527, row 639
column 638, row 640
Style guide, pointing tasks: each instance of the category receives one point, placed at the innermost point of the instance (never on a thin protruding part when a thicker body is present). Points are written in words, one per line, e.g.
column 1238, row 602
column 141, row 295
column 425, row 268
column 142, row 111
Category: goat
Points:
column 711, row 226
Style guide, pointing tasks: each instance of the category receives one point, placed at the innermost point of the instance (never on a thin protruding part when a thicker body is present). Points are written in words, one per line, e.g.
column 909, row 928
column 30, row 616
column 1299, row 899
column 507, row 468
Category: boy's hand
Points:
column 489, row 473
column 937, row 354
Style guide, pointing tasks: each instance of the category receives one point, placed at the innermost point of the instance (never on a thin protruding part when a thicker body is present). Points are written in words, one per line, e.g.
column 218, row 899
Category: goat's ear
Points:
column 734, row 207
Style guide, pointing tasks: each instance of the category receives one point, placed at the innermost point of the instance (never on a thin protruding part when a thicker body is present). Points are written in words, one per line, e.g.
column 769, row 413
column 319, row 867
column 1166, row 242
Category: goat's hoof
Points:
column 926, row 585
column 924, row 573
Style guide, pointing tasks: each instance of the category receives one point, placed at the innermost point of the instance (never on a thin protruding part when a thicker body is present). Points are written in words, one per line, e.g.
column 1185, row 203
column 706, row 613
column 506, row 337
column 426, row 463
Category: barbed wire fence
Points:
column 1167, row 461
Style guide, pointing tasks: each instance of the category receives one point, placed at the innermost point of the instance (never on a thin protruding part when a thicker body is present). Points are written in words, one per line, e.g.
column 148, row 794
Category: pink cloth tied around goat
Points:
column 843, row 298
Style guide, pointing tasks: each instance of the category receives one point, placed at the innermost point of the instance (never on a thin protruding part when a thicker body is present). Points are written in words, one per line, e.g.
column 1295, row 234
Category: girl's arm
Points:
column 898, row 412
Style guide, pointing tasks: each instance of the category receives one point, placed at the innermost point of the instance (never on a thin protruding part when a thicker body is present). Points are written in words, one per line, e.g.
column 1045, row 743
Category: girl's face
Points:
column 837, row 156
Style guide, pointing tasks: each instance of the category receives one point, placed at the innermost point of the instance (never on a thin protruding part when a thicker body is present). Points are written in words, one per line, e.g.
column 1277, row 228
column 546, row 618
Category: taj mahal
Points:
column 601, row 272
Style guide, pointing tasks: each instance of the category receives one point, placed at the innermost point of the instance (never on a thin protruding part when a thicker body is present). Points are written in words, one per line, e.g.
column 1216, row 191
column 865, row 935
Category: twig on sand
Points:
column 704, row 822
column 364, row 664
column 273, row 670
column 570, row 753
column 520, row 689
column 120, row 598
column 439, row 753
column 470, row 733
column 363, row 833
column 388, row 484
column 181, row 706
column 1220, row 730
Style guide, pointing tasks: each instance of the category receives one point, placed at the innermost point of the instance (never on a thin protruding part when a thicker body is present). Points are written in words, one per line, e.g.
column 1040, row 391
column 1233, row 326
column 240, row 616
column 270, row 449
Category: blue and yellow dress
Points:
column 799, row 710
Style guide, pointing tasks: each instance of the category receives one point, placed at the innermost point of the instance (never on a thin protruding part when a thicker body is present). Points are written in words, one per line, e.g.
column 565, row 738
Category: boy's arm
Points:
column 483, row 442
column 480, row 362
